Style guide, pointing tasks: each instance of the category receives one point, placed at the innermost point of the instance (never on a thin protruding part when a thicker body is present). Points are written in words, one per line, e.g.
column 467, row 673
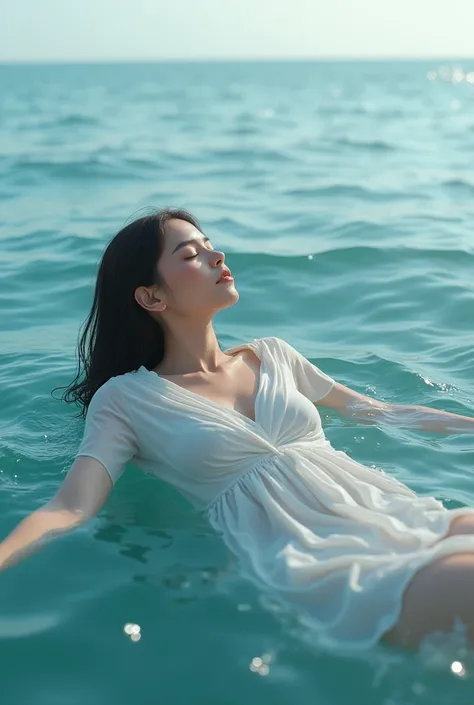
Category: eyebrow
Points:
column 193, row 241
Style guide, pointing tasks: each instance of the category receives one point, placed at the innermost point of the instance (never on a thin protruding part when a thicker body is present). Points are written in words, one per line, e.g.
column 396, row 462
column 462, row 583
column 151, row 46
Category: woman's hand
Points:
column 363, row 408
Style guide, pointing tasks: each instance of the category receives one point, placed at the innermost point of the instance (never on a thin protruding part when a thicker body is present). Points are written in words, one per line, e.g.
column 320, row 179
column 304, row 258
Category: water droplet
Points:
column 458, row 669
column 243, row 607
column 132, row 630
column 260, row 665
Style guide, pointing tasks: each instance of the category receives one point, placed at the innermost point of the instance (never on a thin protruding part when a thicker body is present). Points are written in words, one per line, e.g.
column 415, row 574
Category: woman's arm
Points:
column 82, row 493
column 350, row 403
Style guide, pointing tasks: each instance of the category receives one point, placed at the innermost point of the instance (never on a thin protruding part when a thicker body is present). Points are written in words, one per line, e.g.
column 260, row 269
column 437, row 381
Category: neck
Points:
column 192, row 348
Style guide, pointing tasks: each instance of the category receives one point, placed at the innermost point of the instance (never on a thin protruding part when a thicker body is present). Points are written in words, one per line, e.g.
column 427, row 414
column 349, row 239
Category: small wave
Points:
column 369, row 145
column 92, row 167
column 360, row 110
column 53, row 123
column 27, row 625
column 369, row 255
column 244, row 130
column 75, row 120
column 460, row 185
column 267, row 155
column 8, row 196
column 403, row 252
column 348, row 191
column 423, row 218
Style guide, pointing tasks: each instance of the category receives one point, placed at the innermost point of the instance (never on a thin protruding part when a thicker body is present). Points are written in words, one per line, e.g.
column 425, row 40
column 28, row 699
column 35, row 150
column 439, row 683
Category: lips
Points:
column 225, row 273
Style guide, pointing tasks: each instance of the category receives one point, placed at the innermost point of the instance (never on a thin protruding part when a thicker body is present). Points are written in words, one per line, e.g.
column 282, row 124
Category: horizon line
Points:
column 215, row 60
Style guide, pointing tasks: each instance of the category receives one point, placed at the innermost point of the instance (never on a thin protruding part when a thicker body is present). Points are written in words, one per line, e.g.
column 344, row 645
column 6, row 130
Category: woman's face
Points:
column 191, row 268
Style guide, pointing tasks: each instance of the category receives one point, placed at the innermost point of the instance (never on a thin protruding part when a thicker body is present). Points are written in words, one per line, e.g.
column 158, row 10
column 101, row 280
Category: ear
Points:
column 150, row 299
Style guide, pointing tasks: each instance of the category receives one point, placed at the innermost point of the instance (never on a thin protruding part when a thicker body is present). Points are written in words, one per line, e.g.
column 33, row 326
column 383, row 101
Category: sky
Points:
column 142, row 30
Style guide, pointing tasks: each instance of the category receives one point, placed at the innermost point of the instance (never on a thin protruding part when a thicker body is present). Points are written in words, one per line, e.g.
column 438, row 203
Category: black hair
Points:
column 119, row 335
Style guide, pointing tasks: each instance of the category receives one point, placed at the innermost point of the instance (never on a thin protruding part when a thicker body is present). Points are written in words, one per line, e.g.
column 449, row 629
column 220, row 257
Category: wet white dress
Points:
column 336, row 540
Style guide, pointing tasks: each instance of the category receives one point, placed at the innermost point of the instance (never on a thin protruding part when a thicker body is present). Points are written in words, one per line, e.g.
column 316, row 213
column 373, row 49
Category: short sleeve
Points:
column 309, row 379
column 108, row 437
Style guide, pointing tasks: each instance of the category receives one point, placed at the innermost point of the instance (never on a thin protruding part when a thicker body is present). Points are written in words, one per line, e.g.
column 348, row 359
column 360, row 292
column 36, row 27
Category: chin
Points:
column 232, row 299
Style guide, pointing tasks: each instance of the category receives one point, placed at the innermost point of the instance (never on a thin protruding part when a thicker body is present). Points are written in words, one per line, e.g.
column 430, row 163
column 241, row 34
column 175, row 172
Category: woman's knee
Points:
column 437, row 596
column 463, row 524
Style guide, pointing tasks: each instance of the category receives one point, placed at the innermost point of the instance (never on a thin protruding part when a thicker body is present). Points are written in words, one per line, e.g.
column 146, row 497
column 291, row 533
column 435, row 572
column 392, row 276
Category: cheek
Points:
column 187, row 278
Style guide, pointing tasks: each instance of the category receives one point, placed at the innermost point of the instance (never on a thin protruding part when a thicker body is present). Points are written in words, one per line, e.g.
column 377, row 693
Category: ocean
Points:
column 343, row 196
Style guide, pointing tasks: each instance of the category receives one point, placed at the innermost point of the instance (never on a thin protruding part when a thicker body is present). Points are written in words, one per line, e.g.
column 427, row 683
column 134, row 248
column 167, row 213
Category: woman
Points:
column 358, row 554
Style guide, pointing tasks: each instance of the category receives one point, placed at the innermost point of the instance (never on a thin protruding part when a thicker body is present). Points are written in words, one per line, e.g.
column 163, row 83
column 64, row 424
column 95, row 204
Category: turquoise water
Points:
column 343, row 196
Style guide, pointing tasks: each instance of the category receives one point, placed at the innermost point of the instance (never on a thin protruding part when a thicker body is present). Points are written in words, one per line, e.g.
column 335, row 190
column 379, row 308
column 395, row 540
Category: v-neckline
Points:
column 215, row 404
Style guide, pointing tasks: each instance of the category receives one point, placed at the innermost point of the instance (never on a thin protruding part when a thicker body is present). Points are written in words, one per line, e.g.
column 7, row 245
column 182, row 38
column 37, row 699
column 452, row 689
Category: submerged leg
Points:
column 439, row 594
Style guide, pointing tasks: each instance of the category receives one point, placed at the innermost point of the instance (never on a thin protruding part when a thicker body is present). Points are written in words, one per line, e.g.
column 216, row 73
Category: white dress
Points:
column 335, row 540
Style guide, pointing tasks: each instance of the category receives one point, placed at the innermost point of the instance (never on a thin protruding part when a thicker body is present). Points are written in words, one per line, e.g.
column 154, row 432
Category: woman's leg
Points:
column 463, row 524
column 439, row 593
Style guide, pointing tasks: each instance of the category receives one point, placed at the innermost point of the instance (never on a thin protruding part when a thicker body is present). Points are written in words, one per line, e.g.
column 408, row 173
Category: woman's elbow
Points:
column 84, row 490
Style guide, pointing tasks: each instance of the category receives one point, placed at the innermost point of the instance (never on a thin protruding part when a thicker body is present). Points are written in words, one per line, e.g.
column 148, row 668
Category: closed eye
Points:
column 193, row 256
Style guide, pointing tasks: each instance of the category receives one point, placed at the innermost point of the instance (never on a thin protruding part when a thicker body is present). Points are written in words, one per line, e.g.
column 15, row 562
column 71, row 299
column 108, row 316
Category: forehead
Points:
column 177, row 230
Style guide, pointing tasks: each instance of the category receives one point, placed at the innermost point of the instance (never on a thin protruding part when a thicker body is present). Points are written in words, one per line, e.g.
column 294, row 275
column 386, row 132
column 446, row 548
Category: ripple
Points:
column 75, row 120
column 27, row 625
column 460, row 186
column 350, row 191
column 365, row 145
column 87, row 168
column 246, row 155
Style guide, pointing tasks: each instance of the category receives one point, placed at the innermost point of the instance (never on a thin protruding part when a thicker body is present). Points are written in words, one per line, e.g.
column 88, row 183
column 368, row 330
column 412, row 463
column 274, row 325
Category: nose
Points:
column 218, row 257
